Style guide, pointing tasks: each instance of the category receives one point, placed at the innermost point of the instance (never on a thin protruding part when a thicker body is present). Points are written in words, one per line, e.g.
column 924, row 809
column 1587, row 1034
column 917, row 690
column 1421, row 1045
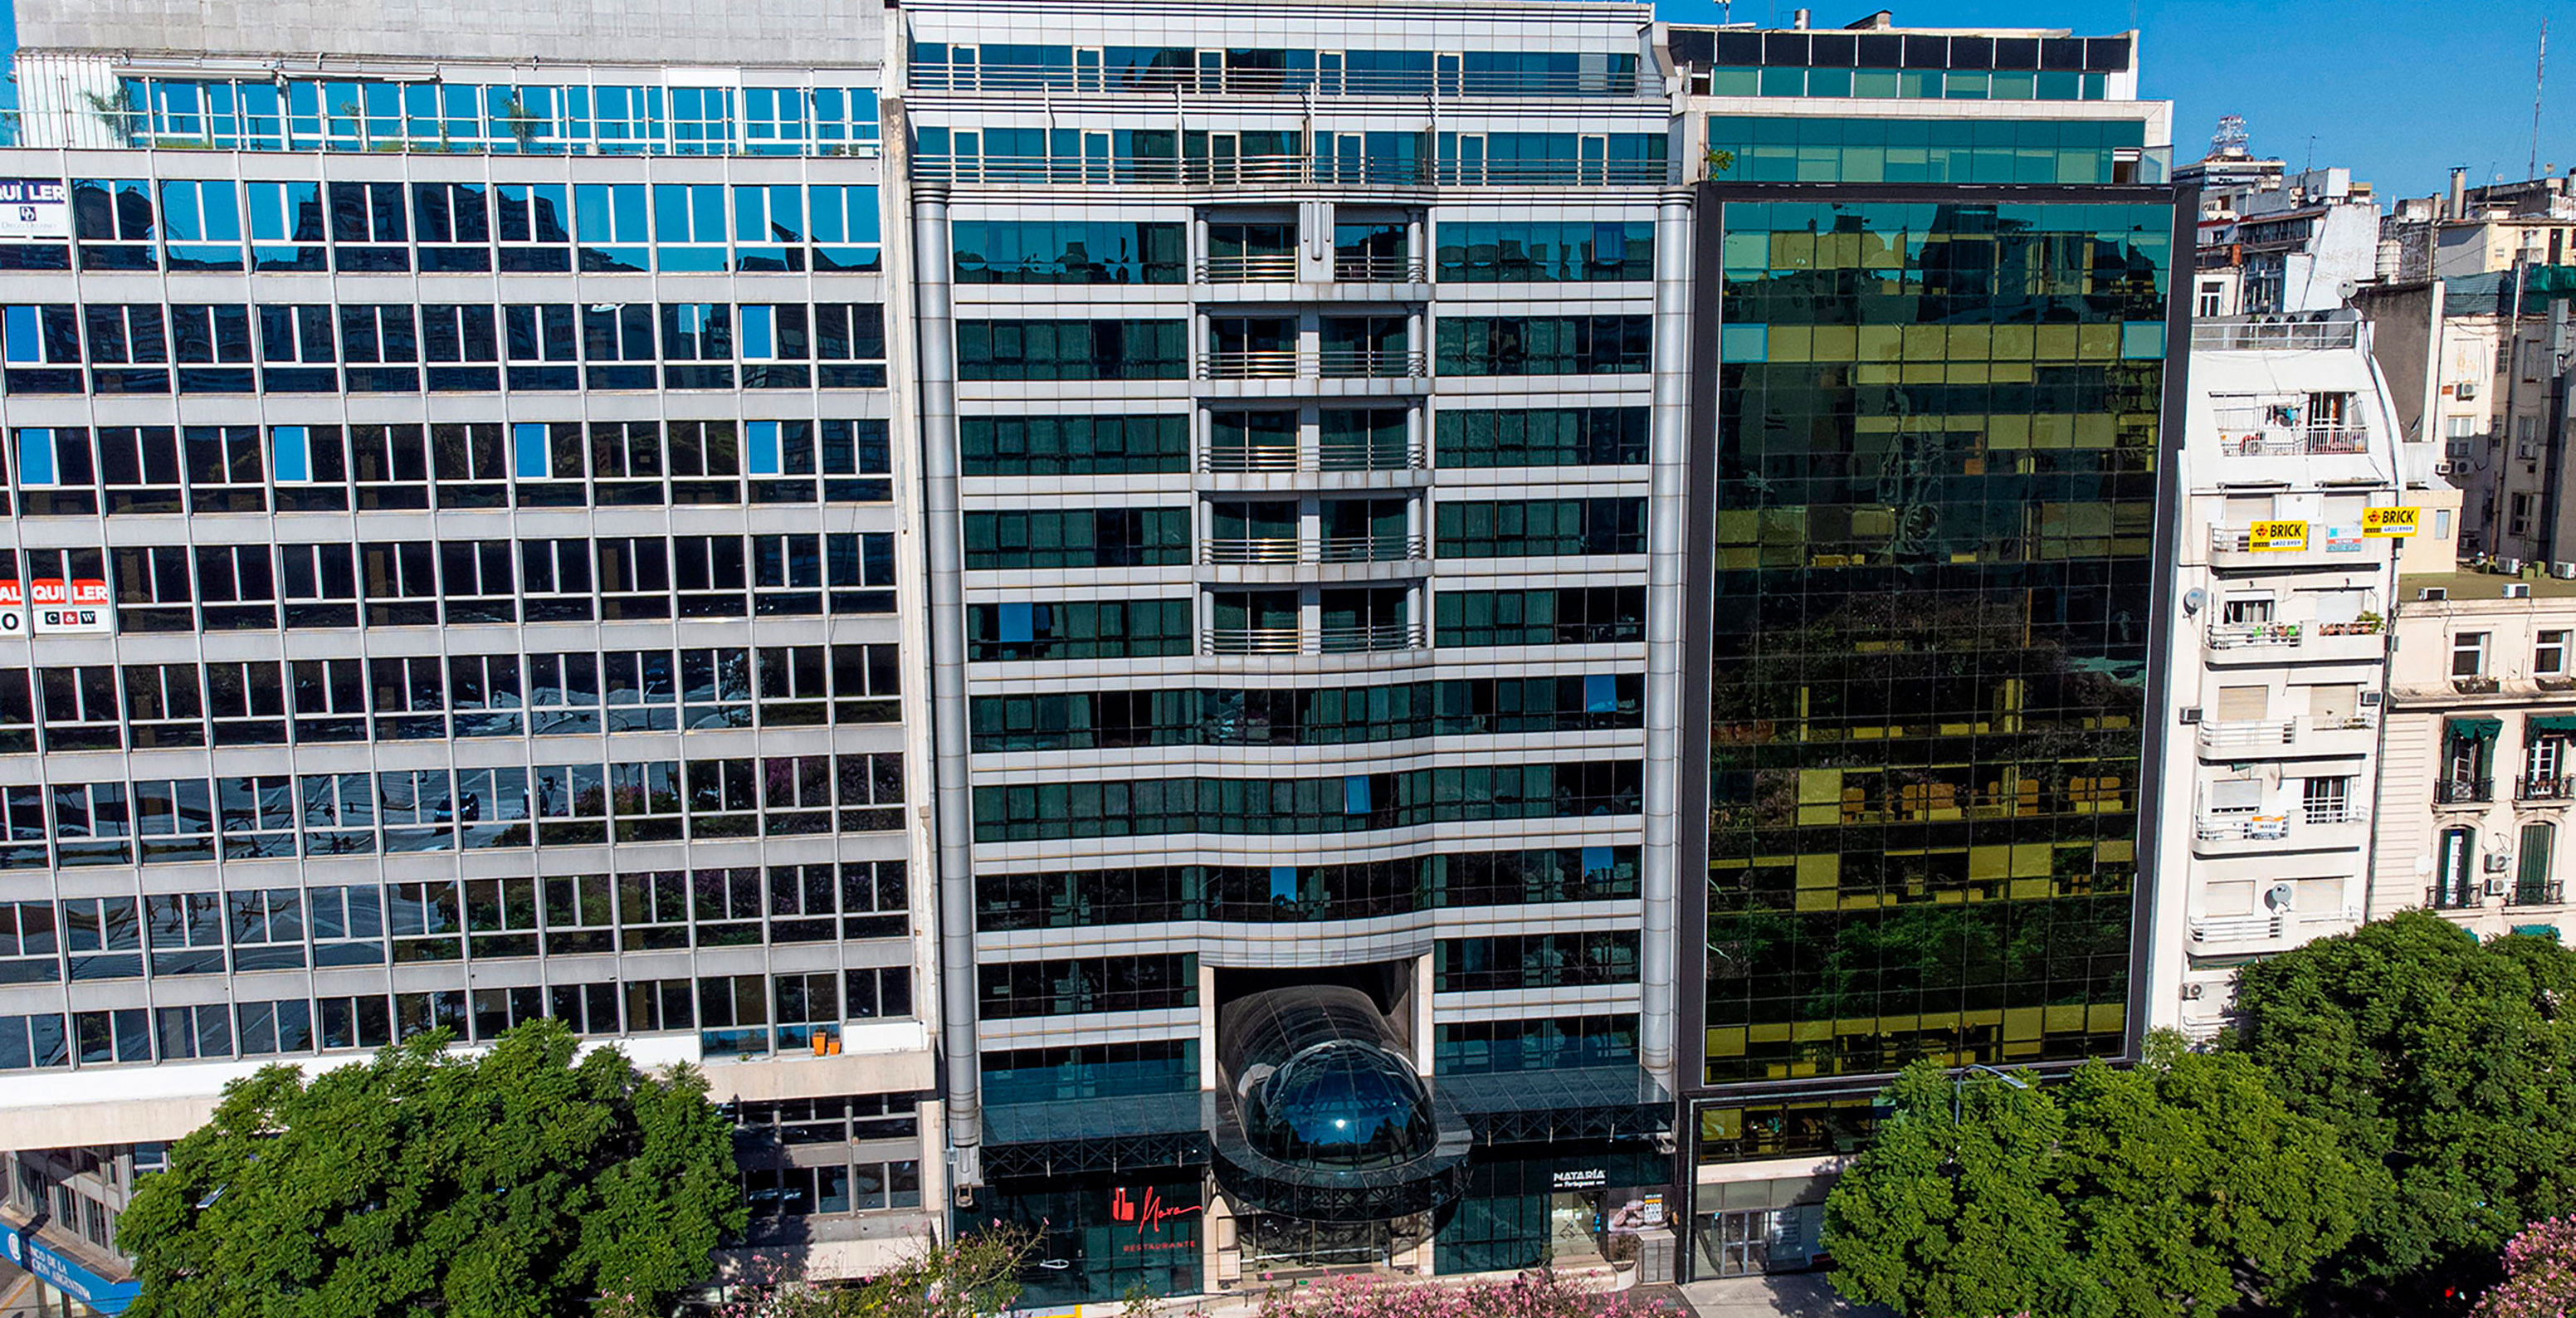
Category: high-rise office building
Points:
column 1930, row 421
column 1314, row 372
column 454, row 576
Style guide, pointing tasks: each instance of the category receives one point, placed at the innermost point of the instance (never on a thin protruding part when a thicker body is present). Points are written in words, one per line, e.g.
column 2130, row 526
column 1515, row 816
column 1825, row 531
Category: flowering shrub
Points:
column 1538, row 1294
column 2539, row 1273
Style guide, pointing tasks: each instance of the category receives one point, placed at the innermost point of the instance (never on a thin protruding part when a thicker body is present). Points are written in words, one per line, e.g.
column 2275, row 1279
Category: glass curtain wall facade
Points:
column 1302, row 466
column 442, row 588
column 1927, row 466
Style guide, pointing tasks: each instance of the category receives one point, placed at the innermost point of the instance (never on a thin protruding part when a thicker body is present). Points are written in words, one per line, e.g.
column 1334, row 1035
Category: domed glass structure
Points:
column 1340, row 1104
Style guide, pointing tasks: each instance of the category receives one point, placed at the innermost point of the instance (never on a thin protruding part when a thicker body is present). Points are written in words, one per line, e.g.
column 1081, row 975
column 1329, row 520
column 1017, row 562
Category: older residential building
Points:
column 2475, row 779
column 2291, row 515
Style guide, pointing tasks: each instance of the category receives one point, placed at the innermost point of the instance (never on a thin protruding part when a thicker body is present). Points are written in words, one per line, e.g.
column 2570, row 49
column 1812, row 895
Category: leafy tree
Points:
column 2190, row 1182
column 1948, row 1218
column 2447, row 1069
column 518, row 1184
column 2539, row 1273
column 2177, row 1187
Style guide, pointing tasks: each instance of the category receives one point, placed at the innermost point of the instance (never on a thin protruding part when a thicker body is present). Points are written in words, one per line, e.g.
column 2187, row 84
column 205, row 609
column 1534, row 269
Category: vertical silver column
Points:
column 942, row 543
column 1667, row 517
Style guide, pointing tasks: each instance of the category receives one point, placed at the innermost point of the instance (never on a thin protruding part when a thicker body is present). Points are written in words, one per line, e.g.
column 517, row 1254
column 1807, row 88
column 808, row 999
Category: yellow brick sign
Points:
column 2391, row 521
column 2278, row 535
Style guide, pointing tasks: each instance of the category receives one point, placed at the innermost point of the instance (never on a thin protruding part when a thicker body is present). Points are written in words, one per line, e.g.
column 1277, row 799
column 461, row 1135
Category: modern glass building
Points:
column 1311, row 377
column 1930, row 424
column 453, row 572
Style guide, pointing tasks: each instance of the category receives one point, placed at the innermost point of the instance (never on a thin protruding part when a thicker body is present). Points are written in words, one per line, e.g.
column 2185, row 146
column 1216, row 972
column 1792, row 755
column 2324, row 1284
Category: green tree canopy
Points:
column 2168, row 1189
column 2447, row 1069
column 518, row 1184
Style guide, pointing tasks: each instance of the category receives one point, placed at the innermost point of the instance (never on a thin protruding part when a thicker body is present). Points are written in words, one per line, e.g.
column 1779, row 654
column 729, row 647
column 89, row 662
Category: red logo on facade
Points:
column 1148, row 1213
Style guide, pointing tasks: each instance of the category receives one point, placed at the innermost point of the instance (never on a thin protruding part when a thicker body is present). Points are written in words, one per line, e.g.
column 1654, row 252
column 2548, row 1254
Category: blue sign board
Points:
column 65, row 1273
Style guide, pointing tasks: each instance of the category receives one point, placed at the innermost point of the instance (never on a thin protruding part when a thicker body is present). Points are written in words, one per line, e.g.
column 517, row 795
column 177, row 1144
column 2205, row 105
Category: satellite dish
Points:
column 2193, row 599
column 2278, row 898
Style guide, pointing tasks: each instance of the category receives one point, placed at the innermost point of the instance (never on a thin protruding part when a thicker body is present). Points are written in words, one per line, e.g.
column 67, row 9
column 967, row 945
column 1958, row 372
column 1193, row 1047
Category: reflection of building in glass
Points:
column 1928, row 450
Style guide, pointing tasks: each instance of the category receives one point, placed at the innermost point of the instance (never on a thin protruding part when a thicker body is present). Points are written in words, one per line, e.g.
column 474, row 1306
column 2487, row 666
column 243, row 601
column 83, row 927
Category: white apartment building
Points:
column 2288, row 559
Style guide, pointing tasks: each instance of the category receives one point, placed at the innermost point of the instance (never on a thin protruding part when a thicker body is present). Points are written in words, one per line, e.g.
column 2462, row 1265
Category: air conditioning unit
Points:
column 2369, row 699
column 2192, row 992
column 2465, row 389
column 2191, row 714
column 2432, row 592
column 2445, row 468
column 2519, row 590
column 2511, row 567
column 2563, row 571
column 2496, row 862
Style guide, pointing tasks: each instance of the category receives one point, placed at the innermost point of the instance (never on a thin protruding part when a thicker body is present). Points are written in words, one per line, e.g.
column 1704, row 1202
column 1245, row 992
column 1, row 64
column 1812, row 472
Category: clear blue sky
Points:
column 2398, row 90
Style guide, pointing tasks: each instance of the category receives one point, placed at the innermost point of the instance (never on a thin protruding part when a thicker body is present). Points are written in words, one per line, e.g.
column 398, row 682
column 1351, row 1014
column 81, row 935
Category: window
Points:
column 56, row 472
column 1070, row 252
column 247, row 703
column 453, row 226
column 42, row 345
column 1536, row 345
column 543, row 341
column 723, row 798
column 2519, row 523
column 2535, row 863
column 871, row 789
column 153, row 590
column 30, row 944
column 1071, row 349
column 401, row 583
column 366, row 1022
column 571, row 804
column 642, row 690
column 410, row 697
column 462, row 345
column 655, row 1005
column 1540, row 527
column 2469, row 654
column 113, row 219
column 477, row 581
column 555, row 580
column 381, row 345
column 648, row 800
column 330, row 699
column 213, row 346
column 164, row 705
column 186, row 933
column 492, row 808
column 424, row 920
column 112, row 1036
column 311, row 464
column 299, row 346
column 257, row 818
column 484, row 691
column 225, row 470
column 270, row 1028
column 1105, row 629
column 417, row 808
column 697, row 345
column 339, row 816
column 103, row 936
column 881, row 993
column 2549, row 654
column 286, row 226
column 1526, row 251
column 2328, row 801
column 530, row 221
column 79, row 708
column 1078, row 445
column 2212, row 298
column 268, row 926
column 319, row 584
column 875, row 899
column 580, row 914
column 653, row 913
column 501, row 917
column 807, row 1009
column 733, row 1014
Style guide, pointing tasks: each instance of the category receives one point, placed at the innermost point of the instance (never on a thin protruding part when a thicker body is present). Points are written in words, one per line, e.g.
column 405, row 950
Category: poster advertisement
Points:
column 2277, row 536
column 1629, row 1212
column 69, row 608
column 34, row 209
column 2391, row 521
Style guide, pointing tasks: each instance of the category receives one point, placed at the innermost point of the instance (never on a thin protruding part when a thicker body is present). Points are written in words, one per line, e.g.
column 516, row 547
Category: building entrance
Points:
column 1735, row 1244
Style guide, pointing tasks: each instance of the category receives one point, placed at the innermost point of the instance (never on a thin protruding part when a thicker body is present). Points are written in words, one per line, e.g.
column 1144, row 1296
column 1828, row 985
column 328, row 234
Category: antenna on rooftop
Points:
column 2539, row 76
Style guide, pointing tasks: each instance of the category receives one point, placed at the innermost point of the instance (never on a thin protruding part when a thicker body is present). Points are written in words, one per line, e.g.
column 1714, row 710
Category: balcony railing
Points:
column 1331, row 549
column 2260, row 926
column 2535, row 894
column 1379, row 270
column 2250, row 735
column 1301, row 363
column 2463, row 791
column 1323, row 455
column 2243, row 635
column 1322, row 640
column 1249, row 269
column 2331, row 812
column 2551, row 787
column 2243, row 828
column 1164, row 80
column 2291, row 441
column 1280, row 171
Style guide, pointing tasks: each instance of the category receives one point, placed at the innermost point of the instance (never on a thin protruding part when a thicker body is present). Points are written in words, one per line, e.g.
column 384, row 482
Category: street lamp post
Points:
column 1959, row 1085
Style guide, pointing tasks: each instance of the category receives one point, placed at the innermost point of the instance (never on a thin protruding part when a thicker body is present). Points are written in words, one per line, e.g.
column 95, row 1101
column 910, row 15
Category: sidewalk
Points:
column 1781, row 1295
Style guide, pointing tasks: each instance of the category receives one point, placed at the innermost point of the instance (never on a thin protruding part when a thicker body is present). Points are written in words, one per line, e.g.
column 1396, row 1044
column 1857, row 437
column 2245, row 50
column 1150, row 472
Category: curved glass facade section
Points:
column 1341, row 1105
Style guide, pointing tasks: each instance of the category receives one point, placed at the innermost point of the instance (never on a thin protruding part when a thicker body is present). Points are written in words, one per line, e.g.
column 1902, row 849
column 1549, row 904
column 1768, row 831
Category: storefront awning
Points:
column 2553, row 725
column 2472, row 727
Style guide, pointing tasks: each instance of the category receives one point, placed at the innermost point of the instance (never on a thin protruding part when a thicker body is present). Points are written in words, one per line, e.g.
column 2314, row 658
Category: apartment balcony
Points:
column 1283, row 550
column 2239, row 547
column 1306, row 363
column 1273, row 173
column 1327, row 455
column 2463, row 791
column 2545, row 789
column 1281, row 269
column 2225, row 828
column 1383, row 638
column 2536, row 894
column 2241, row 643
column 2264, row 931
column 2292, row 441
column 2263, row 738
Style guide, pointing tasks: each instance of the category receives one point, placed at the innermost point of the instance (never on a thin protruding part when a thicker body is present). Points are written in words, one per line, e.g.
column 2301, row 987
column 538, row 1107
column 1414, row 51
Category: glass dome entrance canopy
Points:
column 1321, row 1117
